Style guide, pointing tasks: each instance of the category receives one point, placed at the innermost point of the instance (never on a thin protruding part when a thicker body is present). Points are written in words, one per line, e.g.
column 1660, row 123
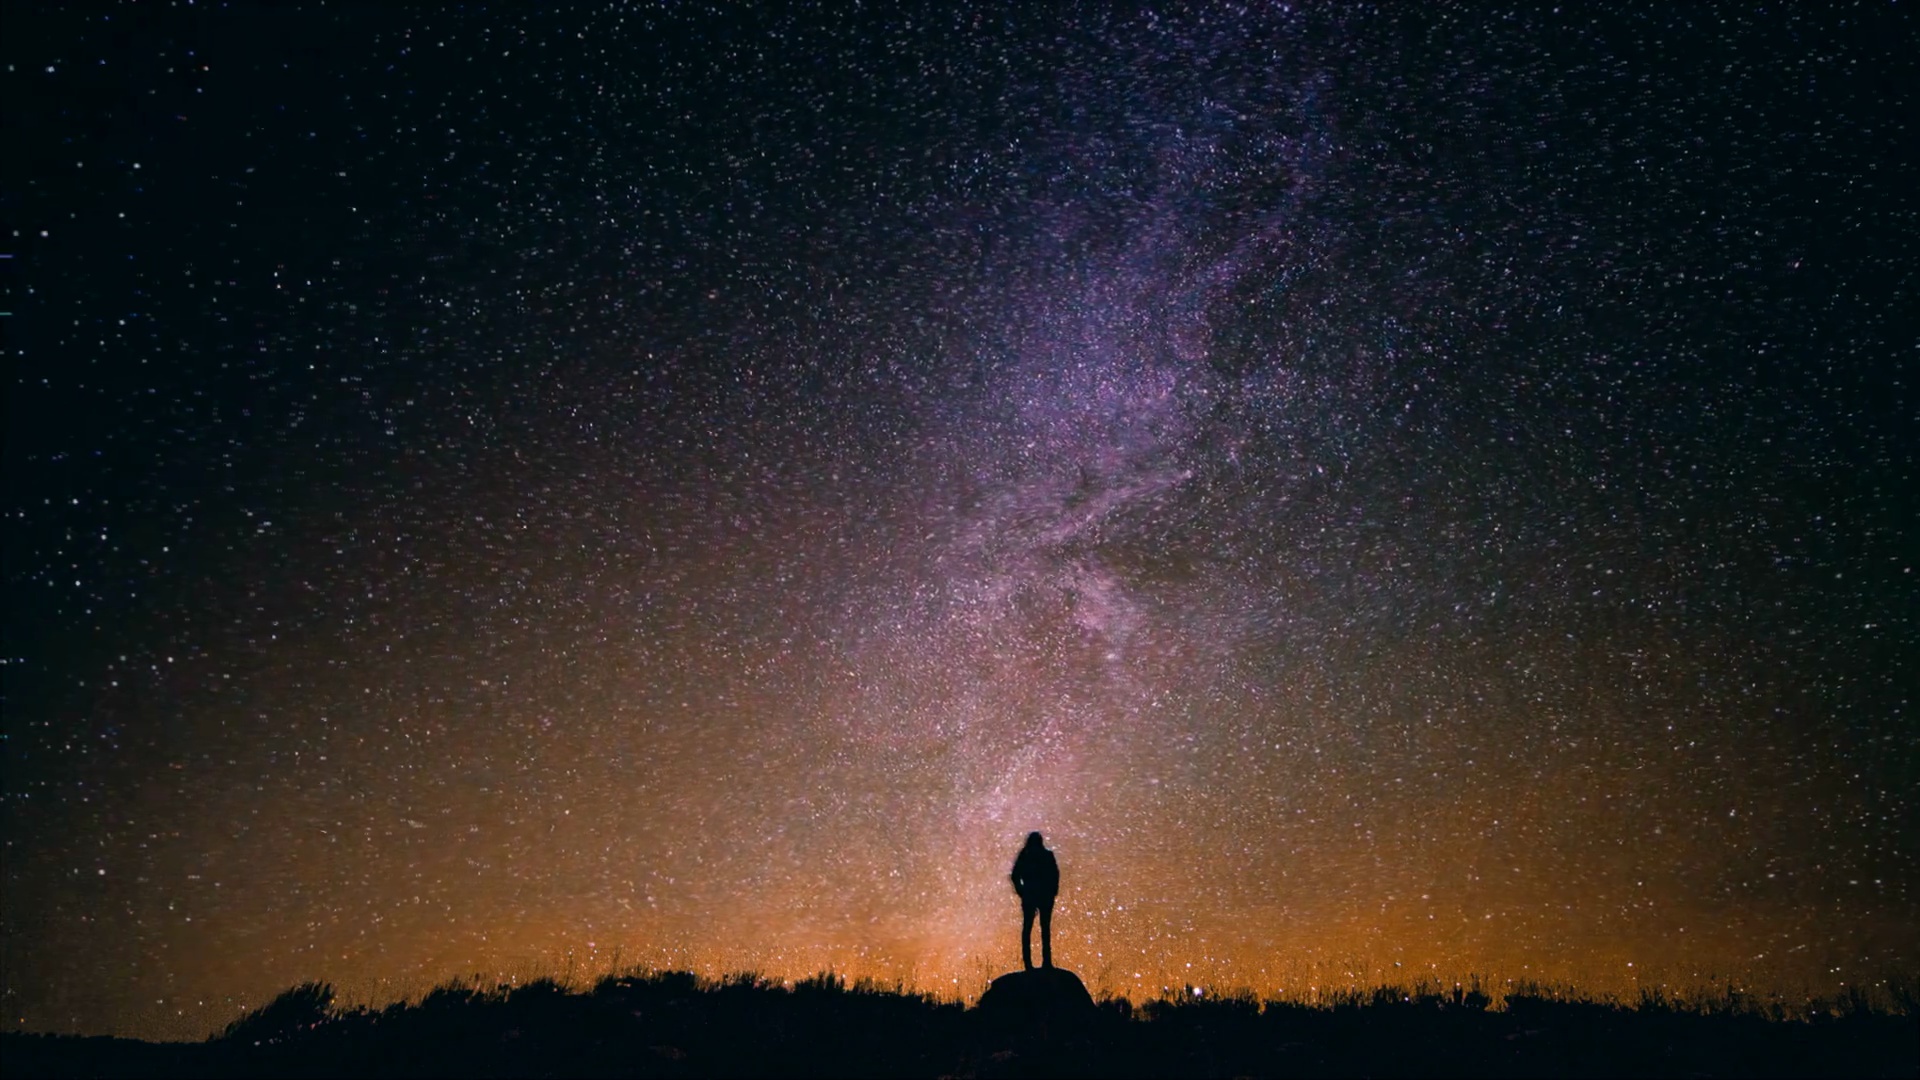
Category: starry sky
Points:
column 1390, row 492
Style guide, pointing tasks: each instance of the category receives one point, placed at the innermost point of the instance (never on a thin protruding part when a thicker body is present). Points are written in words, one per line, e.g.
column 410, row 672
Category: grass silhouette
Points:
column 674, row 1024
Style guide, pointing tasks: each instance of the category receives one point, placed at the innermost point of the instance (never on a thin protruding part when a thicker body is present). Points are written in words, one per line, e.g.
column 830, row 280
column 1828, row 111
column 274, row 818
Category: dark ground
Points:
column 672, row 1024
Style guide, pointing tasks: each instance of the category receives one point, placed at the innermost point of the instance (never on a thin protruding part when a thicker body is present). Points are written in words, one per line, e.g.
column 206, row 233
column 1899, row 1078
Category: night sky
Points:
column 1397, row 492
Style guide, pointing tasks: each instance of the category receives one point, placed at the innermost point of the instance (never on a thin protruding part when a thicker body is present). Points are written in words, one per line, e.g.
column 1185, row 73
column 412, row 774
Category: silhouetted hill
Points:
column 672, row 1024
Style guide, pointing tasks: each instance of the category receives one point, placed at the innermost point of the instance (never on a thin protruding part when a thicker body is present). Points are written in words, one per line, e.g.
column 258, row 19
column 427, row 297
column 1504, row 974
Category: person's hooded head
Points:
column 1033, row 840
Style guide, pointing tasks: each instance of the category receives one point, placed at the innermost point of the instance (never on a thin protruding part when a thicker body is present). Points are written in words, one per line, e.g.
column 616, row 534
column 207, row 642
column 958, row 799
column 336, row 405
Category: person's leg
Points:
column 1046, row 934
column 1026, row 935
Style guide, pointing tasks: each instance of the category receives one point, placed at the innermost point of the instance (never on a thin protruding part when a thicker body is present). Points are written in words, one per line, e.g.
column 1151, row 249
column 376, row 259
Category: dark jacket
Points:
column 1036, row 876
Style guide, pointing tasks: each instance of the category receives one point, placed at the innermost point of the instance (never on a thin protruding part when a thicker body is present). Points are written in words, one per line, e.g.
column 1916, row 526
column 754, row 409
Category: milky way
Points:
column 1391, row 495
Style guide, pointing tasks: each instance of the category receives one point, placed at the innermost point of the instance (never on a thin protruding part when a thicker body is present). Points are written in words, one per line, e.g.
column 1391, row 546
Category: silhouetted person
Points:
column 1036, row 877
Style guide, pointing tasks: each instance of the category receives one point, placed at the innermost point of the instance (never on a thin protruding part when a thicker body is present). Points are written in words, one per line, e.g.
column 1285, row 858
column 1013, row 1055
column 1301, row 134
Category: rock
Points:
column 1039, row 1001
